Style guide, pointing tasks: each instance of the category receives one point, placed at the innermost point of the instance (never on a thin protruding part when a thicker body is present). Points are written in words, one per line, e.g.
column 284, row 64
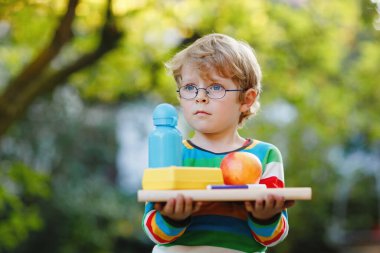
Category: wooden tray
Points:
column 290, row 193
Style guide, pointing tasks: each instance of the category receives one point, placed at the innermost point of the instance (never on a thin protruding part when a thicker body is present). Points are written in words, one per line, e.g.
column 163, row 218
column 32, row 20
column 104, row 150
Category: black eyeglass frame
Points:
column 207, row 92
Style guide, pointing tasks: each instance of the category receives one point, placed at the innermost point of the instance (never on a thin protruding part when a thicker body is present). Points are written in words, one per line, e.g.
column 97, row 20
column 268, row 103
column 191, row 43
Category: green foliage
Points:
column 20, row 191
column 362, row 199
column 86, row 210
column 86, row 216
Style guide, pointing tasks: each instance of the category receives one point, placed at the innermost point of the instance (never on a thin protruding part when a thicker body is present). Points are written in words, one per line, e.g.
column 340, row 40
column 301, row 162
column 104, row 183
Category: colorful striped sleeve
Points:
column 270, row 233
column 159, row 229
column 274, row 231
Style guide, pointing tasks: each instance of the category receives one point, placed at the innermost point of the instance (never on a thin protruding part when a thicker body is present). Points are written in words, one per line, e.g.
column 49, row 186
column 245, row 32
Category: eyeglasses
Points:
column 215, row 91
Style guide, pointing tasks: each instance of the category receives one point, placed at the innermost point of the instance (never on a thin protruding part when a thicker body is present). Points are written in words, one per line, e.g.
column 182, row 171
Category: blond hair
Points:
column 230, row 58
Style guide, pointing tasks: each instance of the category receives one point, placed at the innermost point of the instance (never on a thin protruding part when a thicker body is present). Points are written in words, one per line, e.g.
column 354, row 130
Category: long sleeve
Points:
column 271, row 232
column 158, row 228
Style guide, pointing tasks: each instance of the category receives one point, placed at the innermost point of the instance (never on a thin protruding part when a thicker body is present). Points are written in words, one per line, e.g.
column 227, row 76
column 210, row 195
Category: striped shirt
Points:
column 221, row 226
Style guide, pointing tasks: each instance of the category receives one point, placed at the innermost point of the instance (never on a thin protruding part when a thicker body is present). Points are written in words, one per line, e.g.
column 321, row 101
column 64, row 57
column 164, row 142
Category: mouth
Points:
column 202, row 113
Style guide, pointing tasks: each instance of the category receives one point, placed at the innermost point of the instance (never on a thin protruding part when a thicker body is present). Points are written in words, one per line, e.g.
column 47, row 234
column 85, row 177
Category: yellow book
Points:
column 181, row 178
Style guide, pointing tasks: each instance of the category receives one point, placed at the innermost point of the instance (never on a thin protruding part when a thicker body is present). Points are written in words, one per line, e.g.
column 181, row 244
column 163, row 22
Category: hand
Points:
column 178, row 208
column 267, row 207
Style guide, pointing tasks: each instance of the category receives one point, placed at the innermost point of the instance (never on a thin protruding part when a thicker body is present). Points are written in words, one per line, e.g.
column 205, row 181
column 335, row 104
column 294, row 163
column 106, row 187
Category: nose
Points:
column 202, row 96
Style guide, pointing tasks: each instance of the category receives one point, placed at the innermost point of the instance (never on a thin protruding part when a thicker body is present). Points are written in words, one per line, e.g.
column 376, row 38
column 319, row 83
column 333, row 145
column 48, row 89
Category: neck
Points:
column 218, row 143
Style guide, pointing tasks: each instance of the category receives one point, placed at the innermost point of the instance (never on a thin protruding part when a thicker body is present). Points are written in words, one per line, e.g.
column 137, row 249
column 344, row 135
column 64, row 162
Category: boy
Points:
column 218, row 81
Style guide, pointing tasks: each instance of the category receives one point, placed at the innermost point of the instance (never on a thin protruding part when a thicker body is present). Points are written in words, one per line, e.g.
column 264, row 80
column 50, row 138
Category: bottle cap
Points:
column 165, row 115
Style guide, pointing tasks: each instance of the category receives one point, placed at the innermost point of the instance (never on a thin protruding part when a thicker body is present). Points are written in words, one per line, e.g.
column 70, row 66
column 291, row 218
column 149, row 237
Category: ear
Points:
column 248, row 100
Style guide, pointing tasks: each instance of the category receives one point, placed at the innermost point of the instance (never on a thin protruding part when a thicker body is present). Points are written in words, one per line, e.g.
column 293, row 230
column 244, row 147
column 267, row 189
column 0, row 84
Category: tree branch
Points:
column 35, row 68
column 12, row 107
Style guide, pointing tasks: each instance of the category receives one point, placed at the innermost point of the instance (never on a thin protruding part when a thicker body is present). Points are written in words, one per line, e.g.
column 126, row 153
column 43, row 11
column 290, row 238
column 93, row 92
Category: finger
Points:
column 259, row 204
column 169, row 207
column 279, row 204
column 188, row 205
column 179, row 205
column 270, row 201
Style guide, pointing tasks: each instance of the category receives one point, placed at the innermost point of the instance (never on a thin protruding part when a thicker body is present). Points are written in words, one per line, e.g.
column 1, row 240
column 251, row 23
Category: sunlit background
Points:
column 79, row 81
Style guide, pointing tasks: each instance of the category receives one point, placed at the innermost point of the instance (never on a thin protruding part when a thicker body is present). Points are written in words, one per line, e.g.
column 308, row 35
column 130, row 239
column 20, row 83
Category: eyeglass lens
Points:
column 212, row 91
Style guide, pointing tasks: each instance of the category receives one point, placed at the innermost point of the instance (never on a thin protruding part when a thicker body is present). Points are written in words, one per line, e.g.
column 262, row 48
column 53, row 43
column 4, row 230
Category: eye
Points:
column 216, row 87
column 189, row 87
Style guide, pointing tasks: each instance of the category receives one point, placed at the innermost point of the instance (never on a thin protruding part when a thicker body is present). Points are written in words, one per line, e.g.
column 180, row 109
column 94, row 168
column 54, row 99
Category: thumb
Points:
column 248, row 206
column 198, row 206
column 158, row 206
column 289, row 203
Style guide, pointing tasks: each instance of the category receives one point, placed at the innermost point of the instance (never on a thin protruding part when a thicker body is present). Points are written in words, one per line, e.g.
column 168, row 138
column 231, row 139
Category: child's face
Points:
column 207, row 115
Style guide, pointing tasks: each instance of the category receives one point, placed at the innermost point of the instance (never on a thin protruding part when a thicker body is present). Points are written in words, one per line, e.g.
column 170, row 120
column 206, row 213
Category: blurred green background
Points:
column 79, row 80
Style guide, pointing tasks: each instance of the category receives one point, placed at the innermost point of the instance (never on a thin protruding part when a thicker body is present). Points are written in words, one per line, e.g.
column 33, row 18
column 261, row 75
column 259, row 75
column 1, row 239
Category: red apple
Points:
column 241, row 168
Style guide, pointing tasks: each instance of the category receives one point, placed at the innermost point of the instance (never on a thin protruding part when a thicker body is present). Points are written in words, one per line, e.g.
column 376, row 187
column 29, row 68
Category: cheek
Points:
column 229, row 111
column 183, row 104
column 230, row 117
column 186, row 109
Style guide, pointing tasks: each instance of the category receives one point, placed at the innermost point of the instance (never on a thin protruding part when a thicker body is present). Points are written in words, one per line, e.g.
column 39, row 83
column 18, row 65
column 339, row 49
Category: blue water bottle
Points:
column 165, row 142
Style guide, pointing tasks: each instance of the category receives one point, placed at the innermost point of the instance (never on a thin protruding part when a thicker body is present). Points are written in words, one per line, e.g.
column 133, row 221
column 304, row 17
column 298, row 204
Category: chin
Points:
column 205, row 129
